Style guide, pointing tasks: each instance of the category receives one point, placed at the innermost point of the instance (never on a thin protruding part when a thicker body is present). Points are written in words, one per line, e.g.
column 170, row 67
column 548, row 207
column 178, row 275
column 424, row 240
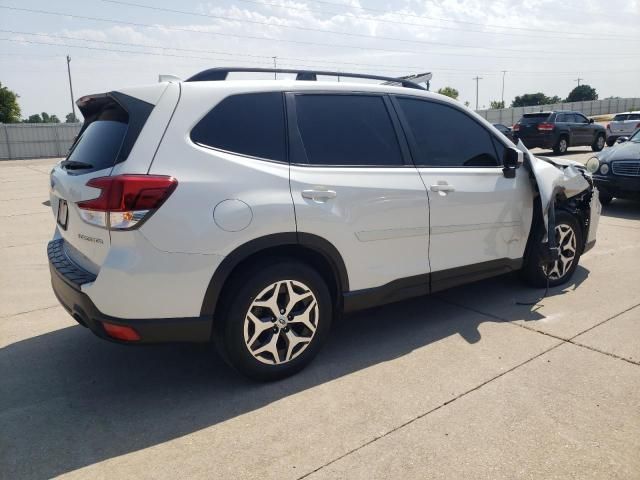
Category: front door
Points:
column 352, row 184
column 480, row 220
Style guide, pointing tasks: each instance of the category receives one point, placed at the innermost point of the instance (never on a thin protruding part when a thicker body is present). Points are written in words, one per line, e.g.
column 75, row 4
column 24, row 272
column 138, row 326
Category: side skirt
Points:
column 418, row 285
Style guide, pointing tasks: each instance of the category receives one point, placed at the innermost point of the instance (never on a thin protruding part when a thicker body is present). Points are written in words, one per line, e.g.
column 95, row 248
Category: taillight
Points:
column 638, row 125
column 125, row 200
column 545, row 127
column 608, row 126
column 516, row 127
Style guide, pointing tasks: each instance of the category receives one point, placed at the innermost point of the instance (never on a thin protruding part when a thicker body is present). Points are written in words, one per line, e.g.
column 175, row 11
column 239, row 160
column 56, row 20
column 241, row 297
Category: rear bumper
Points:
column 538, row 141
column 65, row 278
column 617, row 186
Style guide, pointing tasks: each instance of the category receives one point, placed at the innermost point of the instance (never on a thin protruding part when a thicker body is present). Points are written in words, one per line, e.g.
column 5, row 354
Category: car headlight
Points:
column 604, row 169
column 592, row 164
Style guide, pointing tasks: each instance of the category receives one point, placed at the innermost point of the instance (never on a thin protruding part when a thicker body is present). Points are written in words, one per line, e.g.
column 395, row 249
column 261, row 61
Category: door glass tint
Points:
column 99, row 144
column 347, row 130
column 447, row 137
column 249, row 124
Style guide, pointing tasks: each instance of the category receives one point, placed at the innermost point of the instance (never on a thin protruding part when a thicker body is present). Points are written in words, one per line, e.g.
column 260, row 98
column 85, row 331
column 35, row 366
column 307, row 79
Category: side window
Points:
column 250, row 124
column 347, row 130
column 580, row 118
column 447, row 137
column 562, row 117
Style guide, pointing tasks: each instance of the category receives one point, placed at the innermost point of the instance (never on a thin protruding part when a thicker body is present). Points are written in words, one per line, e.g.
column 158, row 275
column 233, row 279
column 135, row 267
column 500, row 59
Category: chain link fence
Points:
column 509, row 116
column 36, row 140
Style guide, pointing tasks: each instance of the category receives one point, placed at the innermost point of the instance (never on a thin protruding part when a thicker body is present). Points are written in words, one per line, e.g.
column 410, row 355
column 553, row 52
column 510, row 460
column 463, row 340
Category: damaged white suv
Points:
column 252, row 213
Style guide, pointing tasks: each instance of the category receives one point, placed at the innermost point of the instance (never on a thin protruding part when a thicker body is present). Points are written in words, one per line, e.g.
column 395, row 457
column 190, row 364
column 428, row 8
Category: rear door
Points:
column 353, row 184
column 479, row 220
column 585, row 131
column 112, row 125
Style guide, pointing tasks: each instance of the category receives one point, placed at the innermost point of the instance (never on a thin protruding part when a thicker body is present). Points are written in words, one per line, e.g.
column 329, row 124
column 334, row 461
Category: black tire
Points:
column 611, row 142
column 562, row 145
column 605, row 198
column 240, row 295
column 599, row 142
column 533, row 270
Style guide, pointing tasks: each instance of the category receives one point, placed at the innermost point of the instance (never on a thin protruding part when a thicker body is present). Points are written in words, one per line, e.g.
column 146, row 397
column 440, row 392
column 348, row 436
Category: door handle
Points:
column 442, row 187
column 319, row 195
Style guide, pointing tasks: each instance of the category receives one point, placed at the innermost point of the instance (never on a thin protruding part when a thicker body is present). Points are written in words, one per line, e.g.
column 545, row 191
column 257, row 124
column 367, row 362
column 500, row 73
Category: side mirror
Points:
column 591, row 120
column 622, row 139
column 511, row 162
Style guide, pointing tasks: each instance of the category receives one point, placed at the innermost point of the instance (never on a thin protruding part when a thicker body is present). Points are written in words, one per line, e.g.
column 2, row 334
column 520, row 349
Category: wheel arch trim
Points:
column 310, row 241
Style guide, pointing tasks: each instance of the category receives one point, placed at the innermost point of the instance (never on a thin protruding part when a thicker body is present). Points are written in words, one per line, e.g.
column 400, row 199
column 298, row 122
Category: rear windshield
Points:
column 100, row 142
column 529, row 118
column 112, row 124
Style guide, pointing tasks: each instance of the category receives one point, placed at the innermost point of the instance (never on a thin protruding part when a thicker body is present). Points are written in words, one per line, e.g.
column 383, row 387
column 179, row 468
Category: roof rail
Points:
column 220, row 73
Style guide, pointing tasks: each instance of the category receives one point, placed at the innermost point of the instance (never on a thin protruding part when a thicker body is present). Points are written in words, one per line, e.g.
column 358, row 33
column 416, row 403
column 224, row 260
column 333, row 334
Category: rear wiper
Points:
column 75, row 165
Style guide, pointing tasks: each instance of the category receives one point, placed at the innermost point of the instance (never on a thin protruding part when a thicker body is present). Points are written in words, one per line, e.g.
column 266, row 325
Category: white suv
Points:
column 253, row 212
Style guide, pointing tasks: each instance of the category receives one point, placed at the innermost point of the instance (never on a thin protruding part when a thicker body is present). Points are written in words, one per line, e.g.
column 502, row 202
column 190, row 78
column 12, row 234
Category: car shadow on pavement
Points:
column 624, row 209
column 69, row 400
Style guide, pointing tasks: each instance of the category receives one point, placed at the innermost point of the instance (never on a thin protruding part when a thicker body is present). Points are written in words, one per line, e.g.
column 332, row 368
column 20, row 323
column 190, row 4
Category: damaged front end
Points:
column 566, row 185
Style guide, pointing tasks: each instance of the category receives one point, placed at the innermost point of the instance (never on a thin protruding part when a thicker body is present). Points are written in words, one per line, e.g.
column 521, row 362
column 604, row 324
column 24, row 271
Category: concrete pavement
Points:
column 464, row 384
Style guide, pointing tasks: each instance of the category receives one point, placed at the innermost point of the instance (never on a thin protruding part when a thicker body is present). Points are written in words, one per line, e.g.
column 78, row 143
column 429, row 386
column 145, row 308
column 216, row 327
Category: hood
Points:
column 554, row 176
column 621, row 151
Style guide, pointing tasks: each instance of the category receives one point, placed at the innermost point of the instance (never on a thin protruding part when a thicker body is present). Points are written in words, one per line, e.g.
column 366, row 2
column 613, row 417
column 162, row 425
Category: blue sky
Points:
column 544, row 45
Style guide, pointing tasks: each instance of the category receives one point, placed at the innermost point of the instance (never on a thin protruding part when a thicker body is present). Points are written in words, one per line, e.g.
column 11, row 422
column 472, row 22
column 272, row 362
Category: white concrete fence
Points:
column 36, row 140
column 509, row 116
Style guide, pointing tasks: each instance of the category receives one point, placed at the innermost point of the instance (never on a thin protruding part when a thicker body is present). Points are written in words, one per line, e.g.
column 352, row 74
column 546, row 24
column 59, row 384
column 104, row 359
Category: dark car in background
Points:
column 559, row 130
column 506, row 131
column 616, row 171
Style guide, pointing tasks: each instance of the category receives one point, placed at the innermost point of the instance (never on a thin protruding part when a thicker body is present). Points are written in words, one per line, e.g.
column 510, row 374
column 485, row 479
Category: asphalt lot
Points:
column 463, row 384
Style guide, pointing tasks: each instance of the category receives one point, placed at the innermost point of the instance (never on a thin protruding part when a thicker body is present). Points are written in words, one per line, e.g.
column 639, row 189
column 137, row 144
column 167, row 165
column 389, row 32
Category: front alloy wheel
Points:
column 566, row 242
column 281, row 322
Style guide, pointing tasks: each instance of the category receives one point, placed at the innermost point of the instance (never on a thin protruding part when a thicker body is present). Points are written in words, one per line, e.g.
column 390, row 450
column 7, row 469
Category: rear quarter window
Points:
column 250, row 124
column 620, row 118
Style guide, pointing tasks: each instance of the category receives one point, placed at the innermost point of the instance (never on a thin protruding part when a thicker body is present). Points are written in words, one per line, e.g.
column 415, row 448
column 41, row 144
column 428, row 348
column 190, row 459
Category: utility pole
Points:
column 73, row 105
column 578, row 80
column 275, row 65
column 477, row 79
column 502, row 98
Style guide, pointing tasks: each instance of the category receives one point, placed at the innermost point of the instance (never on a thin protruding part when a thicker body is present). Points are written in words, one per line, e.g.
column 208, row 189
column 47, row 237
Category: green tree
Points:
column 466, row 104
column 496, row 104
column 46, row 118
column 582, row 93
column 9, row 108
column 449, row 92
column 531, row 99
column 71, row 118
column 35, row 118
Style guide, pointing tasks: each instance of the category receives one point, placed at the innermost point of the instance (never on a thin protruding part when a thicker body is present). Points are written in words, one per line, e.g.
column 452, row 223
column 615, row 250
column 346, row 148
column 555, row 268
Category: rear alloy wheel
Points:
column 599, row 143
column 561, row 147
column 277, row 316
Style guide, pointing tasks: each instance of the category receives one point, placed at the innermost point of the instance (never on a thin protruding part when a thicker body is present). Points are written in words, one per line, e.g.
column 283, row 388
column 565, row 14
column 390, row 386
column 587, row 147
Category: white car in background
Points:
column 622, row 125
column 251, row 213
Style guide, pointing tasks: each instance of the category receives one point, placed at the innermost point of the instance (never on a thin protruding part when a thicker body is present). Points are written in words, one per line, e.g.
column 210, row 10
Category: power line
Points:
column 334, row 32
column 575, row 35
column 300, row 42
column 265, row 58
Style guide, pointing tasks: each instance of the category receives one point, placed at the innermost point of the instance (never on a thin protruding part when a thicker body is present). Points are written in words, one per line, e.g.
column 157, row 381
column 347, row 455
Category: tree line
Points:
column 580, row 93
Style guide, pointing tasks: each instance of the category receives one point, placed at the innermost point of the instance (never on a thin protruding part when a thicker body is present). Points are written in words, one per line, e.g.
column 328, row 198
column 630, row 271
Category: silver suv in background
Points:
column 622, row 125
